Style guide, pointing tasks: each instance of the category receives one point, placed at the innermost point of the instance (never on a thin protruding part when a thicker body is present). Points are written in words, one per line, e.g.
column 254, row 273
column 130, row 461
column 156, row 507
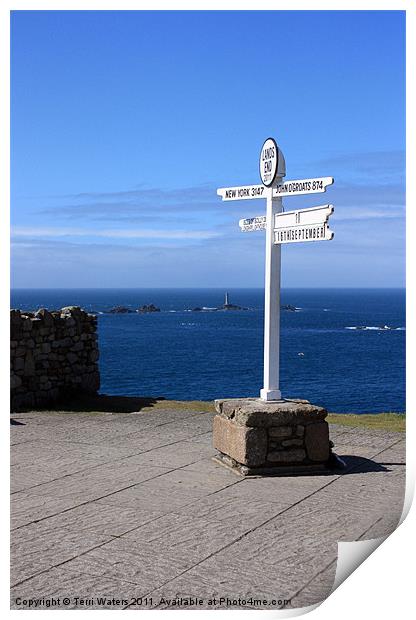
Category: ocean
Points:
column 336, row 350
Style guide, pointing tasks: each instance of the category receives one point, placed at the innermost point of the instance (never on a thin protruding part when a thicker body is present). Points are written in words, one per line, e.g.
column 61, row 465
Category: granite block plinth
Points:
column 285, row 437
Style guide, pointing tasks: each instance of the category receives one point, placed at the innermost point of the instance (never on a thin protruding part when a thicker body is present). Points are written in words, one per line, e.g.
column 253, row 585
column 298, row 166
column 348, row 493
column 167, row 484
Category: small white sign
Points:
column 243, row 192
column 302, row 186
column 303, row 225
column 269, row 159
column 312, row 215
column 308, row 232
column 253, row 223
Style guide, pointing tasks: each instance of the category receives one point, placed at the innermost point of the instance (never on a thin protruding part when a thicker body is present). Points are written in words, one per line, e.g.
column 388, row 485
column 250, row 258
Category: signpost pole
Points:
column 271, row 389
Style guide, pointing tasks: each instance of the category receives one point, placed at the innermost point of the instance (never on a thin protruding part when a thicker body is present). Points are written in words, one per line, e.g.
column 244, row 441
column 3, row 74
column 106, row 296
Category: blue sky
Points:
column 124, row 123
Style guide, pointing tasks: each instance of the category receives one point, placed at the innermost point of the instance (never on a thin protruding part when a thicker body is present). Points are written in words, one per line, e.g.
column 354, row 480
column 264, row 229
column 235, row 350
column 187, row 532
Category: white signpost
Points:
column 281, row 227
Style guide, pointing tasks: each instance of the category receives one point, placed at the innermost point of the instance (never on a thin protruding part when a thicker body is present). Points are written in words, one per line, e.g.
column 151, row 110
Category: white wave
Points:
column 383, row 328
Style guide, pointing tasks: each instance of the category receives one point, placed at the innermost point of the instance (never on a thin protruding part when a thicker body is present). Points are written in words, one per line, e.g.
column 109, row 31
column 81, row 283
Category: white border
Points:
column 383, row 586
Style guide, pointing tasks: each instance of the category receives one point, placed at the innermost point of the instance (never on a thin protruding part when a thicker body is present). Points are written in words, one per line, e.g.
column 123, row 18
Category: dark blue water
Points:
column 205, row 355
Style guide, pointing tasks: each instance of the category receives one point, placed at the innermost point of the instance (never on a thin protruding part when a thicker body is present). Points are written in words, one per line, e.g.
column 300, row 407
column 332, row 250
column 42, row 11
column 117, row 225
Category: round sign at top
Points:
column 269, row 160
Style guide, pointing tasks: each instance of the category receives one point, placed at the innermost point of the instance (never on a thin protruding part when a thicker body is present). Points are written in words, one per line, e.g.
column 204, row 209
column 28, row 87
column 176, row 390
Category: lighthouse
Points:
column 227, row 306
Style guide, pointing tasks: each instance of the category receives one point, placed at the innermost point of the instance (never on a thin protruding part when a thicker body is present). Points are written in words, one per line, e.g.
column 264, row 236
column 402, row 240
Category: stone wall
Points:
column 53, row 355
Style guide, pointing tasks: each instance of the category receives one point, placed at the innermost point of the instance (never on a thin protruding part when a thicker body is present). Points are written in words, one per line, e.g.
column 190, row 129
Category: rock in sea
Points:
column 120, row 310
column 150, row 308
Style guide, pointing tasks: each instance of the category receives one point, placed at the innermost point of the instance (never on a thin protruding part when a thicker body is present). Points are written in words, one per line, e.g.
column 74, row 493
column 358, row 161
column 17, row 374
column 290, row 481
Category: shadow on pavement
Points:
column 14, row 422
column 103, row 403
column 359, row 465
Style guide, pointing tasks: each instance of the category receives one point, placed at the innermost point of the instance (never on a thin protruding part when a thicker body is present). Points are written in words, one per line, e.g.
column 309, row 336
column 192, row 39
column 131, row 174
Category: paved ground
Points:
column 131, row 506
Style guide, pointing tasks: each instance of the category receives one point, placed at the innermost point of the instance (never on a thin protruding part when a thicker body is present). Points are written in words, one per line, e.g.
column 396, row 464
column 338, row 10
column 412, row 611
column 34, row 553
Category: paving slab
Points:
column 316, row 590
column 131, row 507
column 141, row 564
column 36, row 548
column 66, row 588
column 178, row 454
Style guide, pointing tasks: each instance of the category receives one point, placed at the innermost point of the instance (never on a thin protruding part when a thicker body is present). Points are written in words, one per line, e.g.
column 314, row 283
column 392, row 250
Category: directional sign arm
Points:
column 253, row 223
column 303, row 225
column 303, row 186
column 312, row 215
column 242, row 192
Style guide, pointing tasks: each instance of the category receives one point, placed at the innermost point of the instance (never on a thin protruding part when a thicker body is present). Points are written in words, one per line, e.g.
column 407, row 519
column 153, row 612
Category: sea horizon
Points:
column 283, row 288
column 341, row 348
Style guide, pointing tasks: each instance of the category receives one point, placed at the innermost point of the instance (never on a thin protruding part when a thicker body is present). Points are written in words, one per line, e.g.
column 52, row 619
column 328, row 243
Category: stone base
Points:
column 280, row 470
column 286, row 437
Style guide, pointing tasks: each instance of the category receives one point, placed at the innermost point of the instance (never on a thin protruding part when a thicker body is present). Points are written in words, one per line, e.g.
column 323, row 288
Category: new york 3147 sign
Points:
column 281, row 227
